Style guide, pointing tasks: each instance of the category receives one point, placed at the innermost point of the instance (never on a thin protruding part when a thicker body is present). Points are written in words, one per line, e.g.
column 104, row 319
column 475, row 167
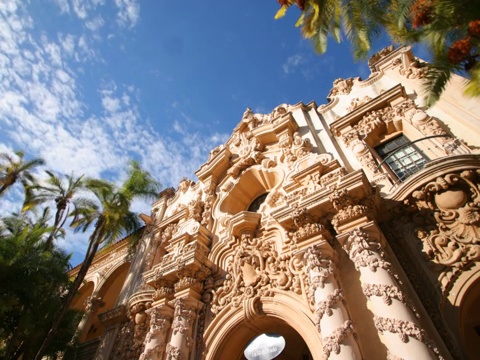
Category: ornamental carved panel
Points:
column 256, row 270
column 450, row 236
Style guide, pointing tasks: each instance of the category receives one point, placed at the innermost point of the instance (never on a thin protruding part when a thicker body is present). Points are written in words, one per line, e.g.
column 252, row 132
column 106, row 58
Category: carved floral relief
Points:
column 255, row 270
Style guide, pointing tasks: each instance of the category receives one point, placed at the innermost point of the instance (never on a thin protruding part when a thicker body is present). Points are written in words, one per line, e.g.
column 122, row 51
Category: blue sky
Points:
column 88, row 85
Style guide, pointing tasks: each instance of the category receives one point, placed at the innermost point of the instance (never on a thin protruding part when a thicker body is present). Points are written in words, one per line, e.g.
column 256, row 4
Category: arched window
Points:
column 255, row 205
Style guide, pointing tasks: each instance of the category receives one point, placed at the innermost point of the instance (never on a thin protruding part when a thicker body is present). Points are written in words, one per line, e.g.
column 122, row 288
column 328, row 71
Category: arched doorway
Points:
column 295, row 346
column 232, row 330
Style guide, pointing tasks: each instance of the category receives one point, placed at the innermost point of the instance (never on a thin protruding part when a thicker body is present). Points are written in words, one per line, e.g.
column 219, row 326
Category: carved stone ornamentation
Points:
column 306, row 226
column 332, row 343
column 365, row 253
column 295, row 148
column 388, row 293
column 454, row 242
column 174, row 353
column 380, row 55
column 405, row 330
column 207, row 207
column 364, row 155
column 249, row 152
column 346, row 208
column 341, row 87
column 255, row 270
column 181, row 341
column 184, row 185
column 133, row 332
column 195, row 208
column 93, row 303
column 414, row 70
column 155, row 340
column 325, row 307
column 357, row 102
column 321, row 265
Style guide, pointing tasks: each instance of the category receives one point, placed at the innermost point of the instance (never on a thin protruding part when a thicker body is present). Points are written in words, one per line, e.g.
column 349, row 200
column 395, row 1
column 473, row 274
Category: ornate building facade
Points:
column 351, row 229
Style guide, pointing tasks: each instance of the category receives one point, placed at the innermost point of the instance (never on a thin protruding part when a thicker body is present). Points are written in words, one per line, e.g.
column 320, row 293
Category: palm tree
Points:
column 63, row 191
column 15, row 168
column 450, row 29
column 31, row 279
column 112, row 218
column 359, row 20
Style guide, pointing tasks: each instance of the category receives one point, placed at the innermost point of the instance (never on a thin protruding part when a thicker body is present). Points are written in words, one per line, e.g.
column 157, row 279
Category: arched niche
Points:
column 108, row 291
column 231, row 331
column 255, row 182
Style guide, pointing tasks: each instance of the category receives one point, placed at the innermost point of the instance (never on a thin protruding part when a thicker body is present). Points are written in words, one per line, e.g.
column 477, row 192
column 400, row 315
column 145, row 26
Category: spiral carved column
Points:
column 394, row 318
column 331, row 316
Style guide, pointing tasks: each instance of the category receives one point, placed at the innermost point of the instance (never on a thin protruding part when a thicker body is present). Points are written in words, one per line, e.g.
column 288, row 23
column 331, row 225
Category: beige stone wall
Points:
column 297, row 226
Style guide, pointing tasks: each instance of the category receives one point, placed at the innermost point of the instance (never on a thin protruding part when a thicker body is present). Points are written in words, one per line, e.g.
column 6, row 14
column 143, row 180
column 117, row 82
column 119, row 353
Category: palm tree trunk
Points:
column 3, row 188
column 94, row 243
column 56, row 227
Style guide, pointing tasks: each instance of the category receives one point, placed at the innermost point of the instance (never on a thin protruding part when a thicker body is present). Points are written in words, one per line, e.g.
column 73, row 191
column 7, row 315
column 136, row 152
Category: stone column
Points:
column 331, row 316
column 394, row 318
column 181, row 341
column 156, row 339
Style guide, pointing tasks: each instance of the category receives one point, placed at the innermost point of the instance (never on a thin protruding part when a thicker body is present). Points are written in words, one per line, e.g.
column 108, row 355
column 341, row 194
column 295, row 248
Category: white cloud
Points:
column 63, row 5
column 128, row 12
column 292, row 63
column 43, row 108
column 95, row 24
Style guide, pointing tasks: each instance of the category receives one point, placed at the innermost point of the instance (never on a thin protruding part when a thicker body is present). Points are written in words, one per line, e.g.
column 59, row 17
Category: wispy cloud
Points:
column 128, row 12
column 292, row 63
column 44, row 111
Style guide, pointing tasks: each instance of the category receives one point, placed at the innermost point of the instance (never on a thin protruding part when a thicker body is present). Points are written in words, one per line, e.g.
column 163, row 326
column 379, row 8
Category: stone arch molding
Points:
column 283, row 307
column 254, row 182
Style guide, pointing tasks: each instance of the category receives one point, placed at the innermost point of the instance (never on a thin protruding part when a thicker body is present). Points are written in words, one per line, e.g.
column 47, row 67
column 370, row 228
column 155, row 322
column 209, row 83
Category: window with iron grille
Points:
column 403, row 158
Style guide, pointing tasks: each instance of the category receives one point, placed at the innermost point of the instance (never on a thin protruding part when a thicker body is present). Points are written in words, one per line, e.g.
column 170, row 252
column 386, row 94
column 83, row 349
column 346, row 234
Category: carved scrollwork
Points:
column 454, row 242
column 255, row 270
column 341, row 87
column 294, row 148
column 93, row 303
column 195, row 208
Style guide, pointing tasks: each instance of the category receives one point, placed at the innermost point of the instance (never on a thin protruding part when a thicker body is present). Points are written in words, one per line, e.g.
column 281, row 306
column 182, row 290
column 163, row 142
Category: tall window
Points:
column 402, row 157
